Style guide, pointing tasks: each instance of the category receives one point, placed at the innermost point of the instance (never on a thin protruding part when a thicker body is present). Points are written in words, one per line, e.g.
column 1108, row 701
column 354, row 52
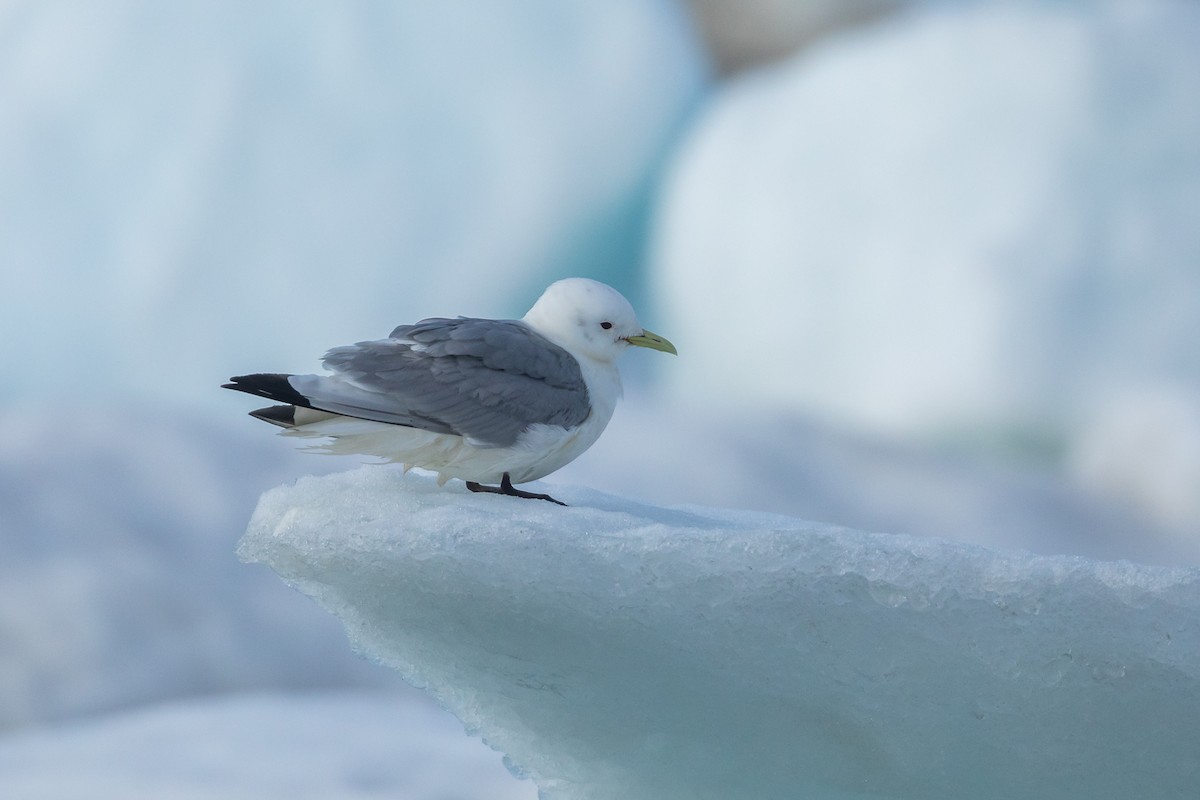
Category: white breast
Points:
column 560, row 448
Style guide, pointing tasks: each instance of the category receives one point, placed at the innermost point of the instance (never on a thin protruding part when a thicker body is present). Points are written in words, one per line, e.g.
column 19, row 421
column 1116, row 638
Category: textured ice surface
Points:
column 118, row 584
column 620, row 650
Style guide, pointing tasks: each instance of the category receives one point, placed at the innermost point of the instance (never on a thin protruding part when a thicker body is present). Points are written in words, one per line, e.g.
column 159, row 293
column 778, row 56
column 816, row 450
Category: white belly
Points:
column 538, row 451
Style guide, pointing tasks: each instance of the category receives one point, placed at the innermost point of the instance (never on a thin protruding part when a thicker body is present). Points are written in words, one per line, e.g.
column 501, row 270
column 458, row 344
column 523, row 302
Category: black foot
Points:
column 506, row 487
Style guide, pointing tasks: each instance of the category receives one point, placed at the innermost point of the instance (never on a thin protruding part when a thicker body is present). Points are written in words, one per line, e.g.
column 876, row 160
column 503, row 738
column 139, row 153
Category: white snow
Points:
column 199, row 189
column 346, row 745
column 614, row 649
column 969, row 221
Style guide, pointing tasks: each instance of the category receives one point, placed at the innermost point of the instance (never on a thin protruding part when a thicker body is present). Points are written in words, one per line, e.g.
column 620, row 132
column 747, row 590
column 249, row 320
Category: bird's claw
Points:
column 507, row 488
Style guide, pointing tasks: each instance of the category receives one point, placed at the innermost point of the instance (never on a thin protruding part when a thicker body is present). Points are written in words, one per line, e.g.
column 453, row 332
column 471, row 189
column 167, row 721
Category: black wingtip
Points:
column 271, row 385
column 283, row 416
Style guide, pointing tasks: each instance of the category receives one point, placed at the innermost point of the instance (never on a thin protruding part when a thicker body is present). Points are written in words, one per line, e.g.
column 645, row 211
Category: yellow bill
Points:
column 653, row 341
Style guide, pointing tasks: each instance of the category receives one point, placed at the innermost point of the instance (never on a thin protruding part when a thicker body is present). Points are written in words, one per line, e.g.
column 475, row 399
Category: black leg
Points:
column 507, row 488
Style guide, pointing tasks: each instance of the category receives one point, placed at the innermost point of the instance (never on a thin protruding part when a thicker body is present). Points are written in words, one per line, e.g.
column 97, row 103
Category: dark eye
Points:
column 606, row 325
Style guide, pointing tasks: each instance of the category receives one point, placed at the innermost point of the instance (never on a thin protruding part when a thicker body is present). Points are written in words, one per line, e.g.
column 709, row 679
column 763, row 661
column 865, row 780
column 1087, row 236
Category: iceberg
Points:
column 119, row 586
column 970, row 222
column 619, row 649
column 221, row 174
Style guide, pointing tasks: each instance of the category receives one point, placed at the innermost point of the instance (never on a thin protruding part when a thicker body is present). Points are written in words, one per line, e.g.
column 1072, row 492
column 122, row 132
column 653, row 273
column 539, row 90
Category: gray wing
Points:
column 487, row 380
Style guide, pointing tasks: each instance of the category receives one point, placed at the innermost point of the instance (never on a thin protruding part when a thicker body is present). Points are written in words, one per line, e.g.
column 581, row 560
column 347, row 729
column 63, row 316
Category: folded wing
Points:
column 485, row 380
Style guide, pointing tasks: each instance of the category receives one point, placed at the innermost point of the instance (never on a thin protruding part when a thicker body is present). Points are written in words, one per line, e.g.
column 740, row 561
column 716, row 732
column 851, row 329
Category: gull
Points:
column 492, row 402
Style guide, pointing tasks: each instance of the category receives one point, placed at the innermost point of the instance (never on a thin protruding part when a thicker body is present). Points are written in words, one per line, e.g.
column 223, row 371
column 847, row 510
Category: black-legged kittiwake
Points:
column 483, row 400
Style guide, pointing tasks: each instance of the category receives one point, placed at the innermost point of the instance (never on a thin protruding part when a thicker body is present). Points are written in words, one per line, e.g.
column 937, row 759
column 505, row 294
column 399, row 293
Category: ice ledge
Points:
column 616, row 650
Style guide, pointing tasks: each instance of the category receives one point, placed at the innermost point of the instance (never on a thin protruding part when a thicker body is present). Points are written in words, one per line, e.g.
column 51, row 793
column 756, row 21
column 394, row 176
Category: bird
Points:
column 492, row 402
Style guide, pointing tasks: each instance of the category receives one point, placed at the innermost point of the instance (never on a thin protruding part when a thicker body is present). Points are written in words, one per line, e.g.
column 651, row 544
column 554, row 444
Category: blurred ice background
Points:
column 933, row 268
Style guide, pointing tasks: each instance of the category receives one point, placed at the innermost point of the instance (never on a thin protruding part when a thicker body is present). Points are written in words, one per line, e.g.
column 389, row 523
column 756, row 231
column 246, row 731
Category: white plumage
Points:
column 486, row 401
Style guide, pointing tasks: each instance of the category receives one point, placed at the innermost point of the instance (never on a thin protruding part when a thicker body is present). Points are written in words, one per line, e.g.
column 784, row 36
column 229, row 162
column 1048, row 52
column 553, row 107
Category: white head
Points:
column 589, row 318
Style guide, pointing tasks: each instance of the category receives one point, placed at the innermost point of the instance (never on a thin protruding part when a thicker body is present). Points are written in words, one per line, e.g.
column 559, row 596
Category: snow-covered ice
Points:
column 119, row 587
column 615, row 649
